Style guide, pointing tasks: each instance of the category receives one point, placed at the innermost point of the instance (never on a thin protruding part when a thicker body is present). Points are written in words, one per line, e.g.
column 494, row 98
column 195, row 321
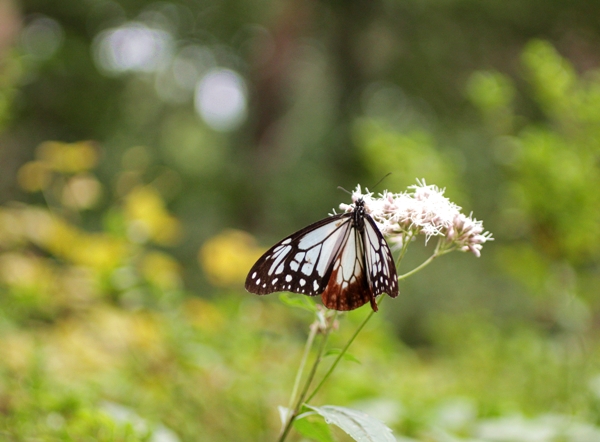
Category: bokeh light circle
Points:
column 221, row 99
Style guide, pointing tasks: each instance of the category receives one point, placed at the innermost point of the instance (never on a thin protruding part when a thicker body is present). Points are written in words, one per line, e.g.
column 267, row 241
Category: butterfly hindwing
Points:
column 380, row 266
column 348, row 287
column 363, row 270
column 300, row 263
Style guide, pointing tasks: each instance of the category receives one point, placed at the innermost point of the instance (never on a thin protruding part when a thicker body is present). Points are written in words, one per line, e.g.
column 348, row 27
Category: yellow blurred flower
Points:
column 112, row 327
column 76, row 288
column 102, row 340
column 68, row 158
column 16, row 350
column 148, row 334
column 11, row 228
column 227, row 257
column 35, row 223
column 81, row 192
column 72, row 349
column 149, row 219
column 98, row 251
column 203, row 314
column 19, row 270
column 161, row 270
column 120, row 331
column 52, row 232
column 33, row 176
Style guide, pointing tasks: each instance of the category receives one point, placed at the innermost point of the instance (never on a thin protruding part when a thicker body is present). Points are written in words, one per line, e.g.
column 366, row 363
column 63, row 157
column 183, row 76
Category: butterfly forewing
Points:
column 300, row 263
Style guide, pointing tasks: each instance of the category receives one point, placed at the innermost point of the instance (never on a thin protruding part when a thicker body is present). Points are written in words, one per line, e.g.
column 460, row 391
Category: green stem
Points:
column 342, row 353
column 406, row 241
column 314, row 328
column 311, row 376
column 439, row 251
column 416, row 269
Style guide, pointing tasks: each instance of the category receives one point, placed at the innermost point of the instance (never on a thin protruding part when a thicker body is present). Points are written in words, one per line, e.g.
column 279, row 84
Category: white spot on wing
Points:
column 308, row 268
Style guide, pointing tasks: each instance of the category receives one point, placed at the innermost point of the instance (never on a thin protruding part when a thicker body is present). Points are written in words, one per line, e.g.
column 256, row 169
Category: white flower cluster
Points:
column 423, row 210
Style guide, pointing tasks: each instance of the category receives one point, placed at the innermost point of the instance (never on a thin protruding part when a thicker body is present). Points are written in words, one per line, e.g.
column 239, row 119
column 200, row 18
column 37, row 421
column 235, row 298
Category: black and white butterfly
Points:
column 343, row 257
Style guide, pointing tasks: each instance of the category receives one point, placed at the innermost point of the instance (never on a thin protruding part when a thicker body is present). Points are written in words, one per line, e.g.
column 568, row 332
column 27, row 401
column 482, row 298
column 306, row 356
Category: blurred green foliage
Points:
column 550, row 202
column 122, row 316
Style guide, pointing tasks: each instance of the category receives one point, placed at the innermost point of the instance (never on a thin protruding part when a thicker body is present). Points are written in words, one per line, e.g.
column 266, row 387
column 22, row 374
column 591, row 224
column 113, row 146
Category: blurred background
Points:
column 151, row 151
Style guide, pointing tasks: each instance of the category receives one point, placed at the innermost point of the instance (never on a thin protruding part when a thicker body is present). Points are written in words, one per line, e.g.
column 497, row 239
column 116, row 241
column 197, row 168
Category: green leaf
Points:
column 358, row 425
column 347, row 356
column 313, row 429
column 302, row 302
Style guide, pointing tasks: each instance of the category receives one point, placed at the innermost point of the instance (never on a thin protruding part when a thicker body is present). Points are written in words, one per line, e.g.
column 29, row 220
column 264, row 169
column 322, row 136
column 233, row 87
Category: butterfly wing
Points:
column 349, row 265
column 379, row 261
column 363, row 269
column 301, row 263
column 348, row 286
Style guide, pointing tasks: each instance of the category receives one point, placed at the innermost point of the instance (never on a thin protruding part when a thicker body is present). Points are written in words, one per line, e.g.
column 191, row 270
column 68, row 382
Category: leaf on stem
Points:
column 347, row 356
column 314, row 429
column 302, row 302
column 358, row 425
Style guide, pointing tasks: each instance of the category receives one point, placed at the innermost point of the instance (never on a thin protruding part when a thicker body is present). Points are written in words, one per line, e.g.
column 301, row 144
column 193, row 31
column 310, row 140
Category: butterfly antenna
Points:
column 379, row 182
column 348, row 192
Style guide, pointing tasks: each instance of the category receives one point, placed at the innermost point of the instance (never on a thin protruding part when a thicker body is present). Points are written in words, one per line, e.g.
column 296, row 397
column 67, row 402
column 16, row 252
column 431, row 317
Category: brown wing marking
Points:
column 347, row 297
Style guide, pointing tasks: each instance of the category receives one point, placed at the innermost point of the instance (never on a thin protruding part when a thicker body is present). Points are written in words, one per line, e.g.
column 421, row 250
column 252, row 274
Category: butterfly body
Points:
column 344, row 258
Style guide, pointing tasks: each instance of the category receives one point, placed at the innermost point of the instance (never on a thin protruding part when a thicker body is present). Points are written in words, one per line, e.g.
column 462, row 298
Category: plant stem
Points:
column 314, row 328
column 439, row 251
column 311, row 376
column 404, row 248
column 416, row 269
column 342, row 353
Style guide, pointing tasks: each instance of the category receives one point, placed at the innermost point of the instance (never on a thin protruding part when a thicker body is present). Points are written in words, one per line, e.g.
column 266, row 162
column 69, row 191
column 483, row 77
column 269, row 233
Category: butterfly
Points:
column 344, row 258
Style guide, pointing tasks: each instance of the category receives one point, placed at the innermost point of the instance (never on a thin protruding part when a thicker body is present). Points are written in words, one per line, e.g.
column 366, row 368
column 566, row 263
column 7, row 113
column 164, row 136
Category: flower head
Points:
column 423, row 210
